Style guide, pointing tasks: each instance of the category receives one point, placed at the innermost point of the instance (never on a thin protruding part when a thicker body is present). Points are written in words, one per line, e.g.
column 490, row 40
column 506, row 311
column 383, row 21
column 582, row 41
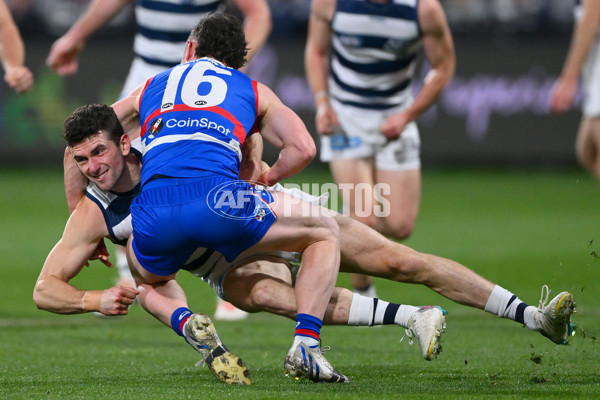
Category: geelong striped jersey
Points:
column 374, row 49
column 195, row 117
column 164, row 27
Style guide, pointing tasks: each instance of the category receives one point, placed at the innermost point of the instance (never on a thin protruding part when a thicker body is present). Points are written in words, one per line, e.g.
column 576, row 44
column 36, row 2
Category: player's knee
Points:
column 262, row 299
column 328, row 229
column 399, row 229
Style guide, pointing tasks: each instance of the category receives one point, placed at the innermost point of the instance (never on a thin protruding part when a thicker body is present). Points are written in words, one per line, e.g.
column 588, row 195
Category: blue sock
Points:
column 178, row 319
column 308, row 329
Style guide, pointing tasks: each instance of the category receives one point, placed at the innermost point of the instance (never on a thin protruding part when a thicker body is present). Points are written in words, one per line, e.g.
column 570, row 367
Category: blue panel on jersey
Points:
column 382, row 67
column 383, row 10
column 179, row 8
column 370, row 106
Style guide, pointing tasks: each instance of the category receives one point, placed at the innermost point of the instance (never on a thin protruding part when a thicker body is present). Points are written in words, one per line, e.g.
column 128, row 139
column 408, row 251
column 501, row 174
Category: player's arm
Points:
column 75, row 182
column 127, row 110
column 316, row 62
column 257, row 23
column 12, row 53
column 439, row 52
column 281, row 127
column 65, row 50
column 581, row 41
column 53, row 292
column 251, row 166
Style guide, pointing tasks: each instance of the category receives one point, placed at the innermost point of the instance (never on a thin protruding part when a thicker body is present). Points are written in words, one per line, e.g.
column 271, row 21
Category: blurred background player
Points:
column 163, row 28
column 583, row 60
column 12, row 53
column 365, row 109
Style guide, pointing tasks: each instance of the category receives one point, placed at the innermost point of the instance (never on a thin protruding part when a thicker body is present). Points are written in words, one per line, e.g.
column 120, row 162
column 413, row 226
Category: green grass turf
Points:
column 518, row 228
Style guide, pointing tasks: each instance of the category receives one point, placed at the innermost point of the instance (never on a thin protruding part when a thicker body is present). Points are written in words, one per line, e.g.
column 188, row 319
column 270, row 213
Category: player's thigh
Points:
column 140, row 274
column 298, row 225
column 258, row 283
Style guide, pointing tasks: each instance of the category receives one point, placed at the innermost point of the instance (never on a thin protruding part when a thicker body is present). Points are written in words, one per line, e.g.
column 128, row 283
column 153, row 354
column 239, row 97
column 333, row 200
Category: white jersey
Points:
column 374, row 51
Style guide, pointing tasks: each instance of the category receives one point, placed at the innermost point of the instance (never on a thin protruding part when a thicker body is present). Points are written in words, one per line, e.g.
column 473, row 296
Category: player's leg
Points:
column 398, row 176
column 366, row 251
column 303, row 228
column 354, row 177
column 587, row 145
column 267, row 286
column 162, row 297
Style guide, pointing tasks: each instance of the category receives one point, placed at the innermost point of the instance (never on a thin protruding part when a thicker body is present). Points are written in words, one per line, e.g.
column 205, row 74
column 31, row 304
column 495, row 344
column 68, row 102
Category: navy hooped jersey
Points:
column 115, row 210
column 195, row 117
column 374, row 52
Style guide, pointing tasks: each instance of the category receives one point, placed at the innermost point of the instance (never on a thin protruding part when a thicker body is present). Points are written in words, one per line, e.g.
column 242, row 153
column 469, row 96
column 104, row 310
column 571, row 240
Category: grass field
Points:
column 519, row 228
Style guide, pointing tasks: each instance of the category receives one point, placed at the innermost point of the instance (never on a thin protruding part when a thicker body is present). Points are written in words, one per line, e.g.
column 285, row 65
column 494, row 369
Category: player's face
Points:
column 100, row 160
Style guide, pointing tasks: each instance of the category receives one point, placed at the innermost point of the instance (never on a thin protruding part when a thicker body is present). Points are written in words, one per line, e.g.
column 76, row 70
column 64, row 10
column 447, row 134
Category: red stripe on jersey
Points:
column 255, row 88
column 238, row 130
column 307, row 332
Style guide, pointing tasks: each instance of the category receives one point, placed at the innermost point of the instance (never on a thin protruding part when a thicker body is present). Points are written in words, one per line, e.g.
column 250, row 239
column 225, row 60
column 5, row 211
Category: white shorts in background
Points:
column 590, row 79
column 139, row 72
column 359, row 137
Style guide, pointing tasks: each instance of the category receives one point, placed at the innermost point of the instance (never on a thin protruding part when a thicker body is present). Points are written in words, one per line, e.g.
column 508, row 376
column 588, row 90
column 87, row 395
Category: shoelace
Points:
column 408, row 332
column 544, row 300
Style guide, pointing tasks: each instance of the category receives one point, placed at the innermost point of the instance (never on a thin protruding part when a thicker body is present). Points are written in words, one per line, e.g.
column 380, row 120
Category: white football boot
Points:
column 427, row 326
column 554, row 319
column 303, row 361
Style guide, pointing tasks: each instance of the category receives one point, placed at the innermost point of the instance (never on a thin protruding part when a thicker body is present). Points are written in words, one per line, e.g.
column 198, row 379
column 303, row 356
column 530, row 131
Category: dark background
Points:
column 494, row 112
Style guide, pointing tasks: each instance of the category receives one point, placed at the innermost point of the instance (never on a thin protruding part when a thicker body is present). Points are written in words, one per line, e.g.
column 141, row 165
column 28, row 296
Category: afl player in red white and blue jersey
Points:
column 194, row 119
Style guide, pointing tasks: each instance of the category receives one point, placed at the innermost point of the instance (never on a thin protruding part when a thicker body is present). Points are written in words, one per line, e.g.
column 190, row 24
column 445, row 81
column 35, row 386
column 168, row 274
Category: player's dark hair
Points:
column 221, row 37
column 89, row 120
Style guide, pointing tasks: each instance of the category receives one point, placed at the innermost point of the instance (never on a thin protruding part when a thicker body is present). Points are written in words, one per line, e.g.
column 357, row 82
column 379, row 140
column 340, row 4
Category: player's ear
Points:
column 190, row 51
column 125, row 144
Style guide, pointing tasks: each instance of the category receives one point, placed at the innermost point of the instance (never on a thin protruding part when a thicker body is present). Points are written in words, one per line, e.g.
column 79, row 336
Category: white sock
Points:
column 369, row 311
column 505, row 304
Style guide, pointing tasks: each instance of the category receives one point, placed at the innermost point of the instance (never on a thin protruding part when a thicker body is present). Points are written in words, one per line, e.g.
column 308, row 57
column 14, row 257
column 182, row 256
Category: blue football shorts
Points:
column 172, row 217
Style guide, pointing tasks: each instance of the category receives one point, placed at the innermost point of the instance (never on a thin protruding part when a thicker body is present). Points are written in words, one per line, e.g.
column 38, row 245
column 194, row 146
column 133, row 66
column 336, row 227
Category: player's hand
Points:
column 326, row 119
column 116, row 300
column 264, row 174
column 250, row 171
column 393, row 126
column 563, row 95
column 101, row 253
column 19, row 78
column 62, row 58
